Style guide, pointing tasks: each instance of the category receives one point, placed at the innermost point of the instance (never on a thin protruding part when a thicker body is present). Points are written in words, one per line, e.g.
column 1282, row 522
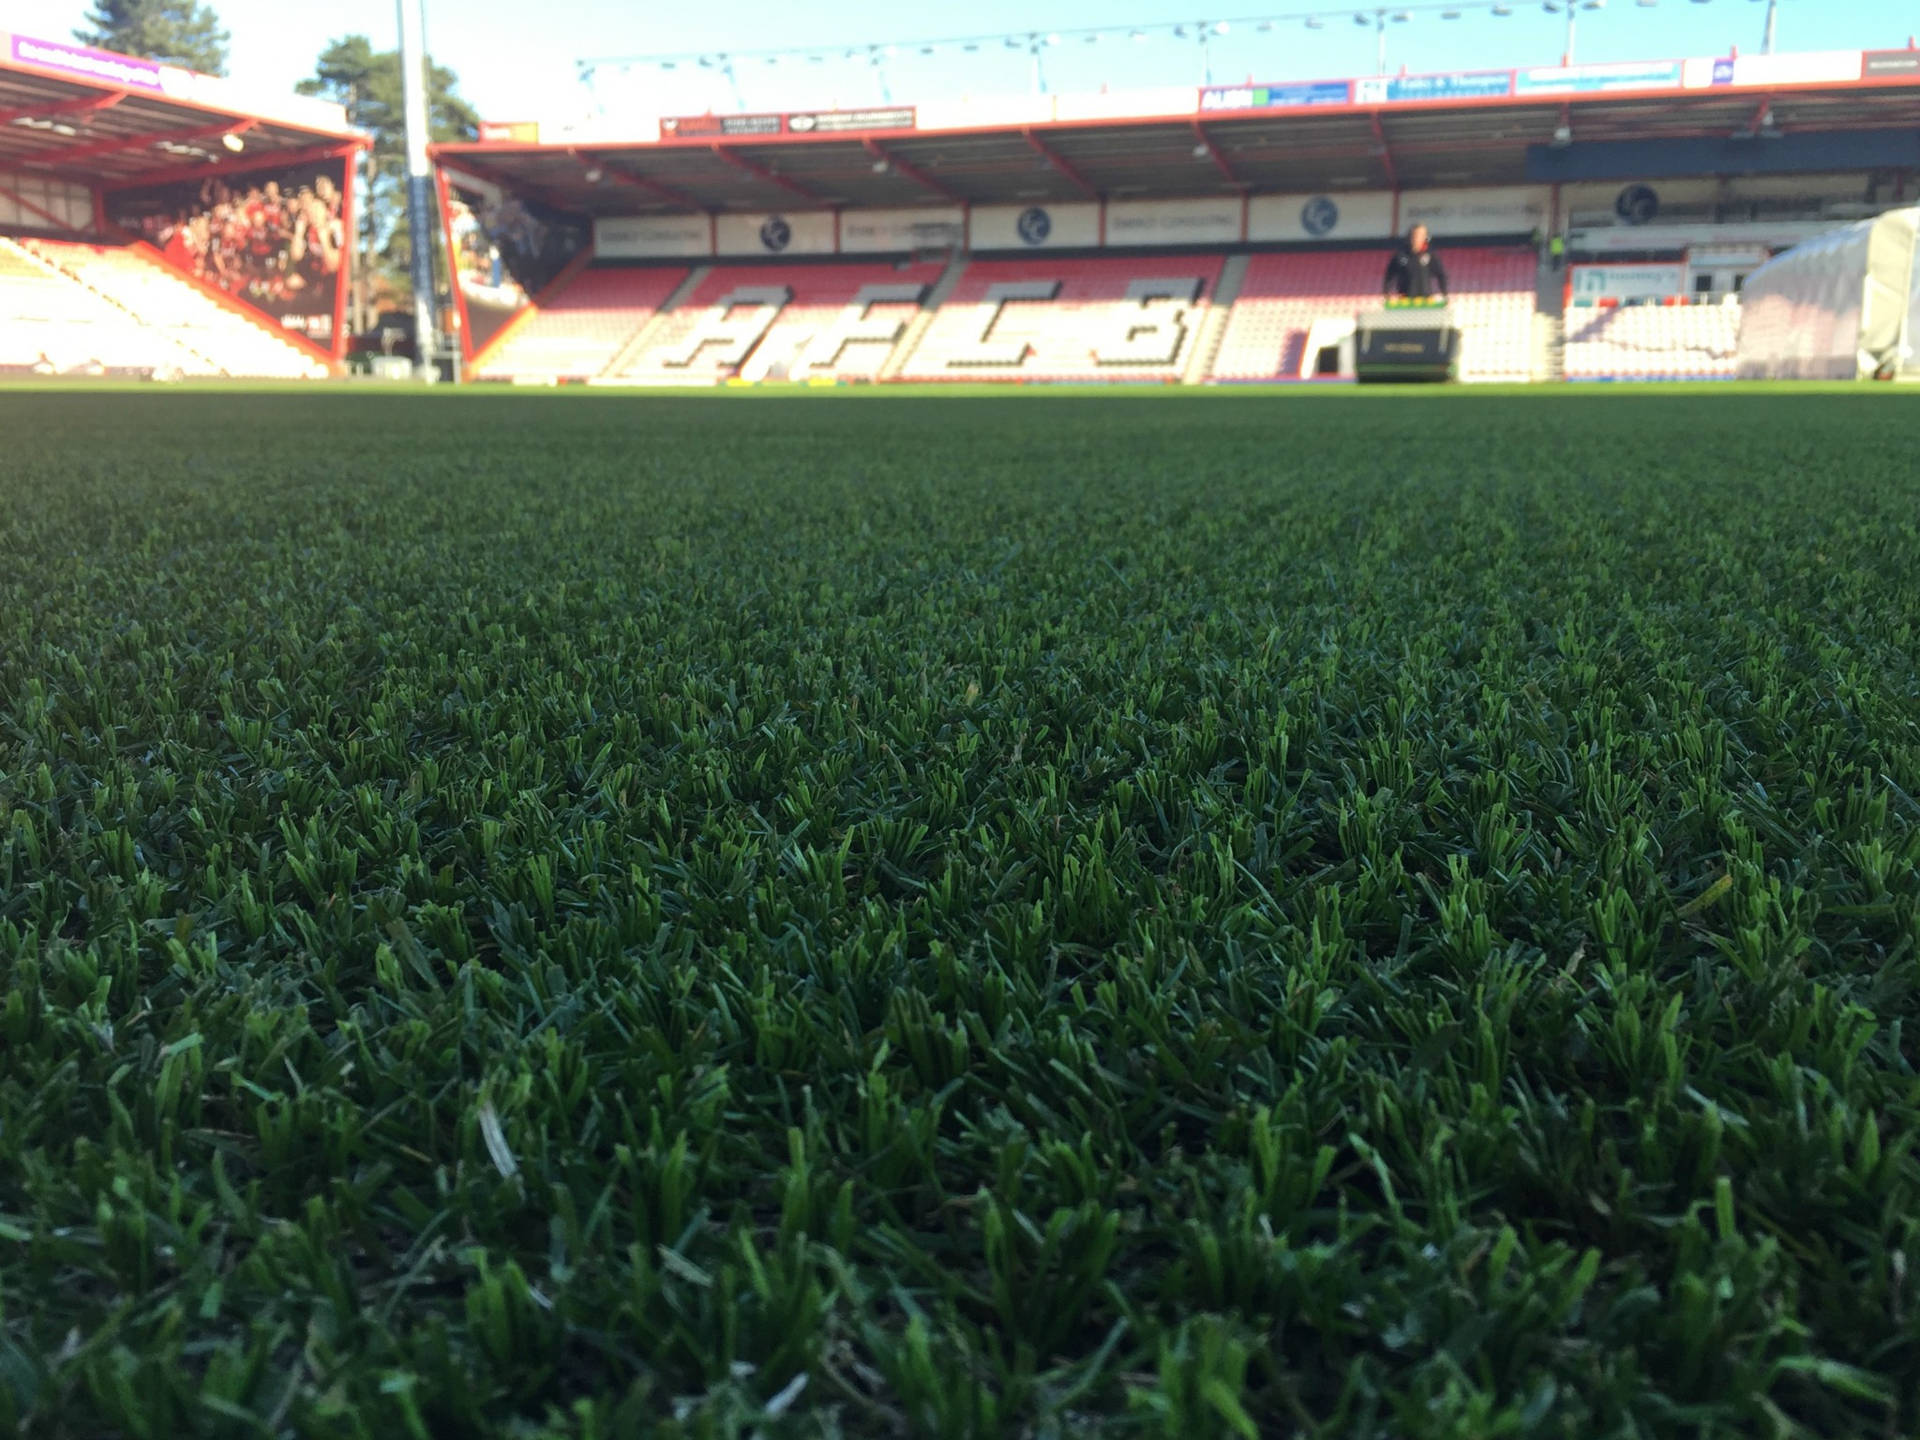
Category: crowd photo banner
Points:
column 504, row 251
column 274, row 239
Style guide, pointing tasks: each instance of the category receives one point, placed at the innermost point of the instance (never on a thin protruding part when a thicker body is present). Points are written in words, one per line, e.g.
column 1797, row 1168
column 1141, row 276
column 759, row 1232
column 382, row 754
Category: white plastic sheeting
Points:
column 1840, row 307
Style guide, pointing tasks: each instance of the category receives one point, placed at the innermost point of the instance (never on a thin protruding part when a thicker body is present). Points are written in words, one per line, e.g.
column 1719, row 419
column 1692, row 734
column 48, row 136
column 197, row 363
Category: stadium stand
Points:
column 1107, row 318
column 1281, row 298
column 1494, row 298
column 1285, row 296
column 1653, row 342
column 68, row 308
column 782, row 322
column 576, row 334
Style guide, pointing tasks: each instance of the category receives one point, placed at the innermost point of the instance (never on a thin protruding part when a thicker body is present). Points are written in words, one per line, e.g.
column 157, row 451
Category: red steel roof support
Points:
column 64, row 107
column 654, row 188
column 1213, row 153
column 761, row 172
column 238, row 164
column 1058, row 162
column 1386, row 150
column 57, row 158
column 912, row 172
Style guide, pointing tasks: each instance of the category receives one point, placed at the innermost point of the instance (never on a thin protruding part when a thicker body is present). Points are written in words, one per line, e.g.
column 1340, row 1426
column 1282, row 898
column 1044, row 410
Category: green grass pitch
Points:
column 1220, row 915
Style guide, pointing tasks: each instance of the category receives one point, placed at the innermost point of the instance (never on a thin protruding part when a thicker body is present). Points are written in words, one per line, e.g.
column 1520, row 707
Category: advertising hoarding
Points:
column 510, row 132
column 274, row 239
column 1173, row 222
column 1504, row 211
column 1301, row 95
column 1466, row 85
column 652, row 237
column 805, row 232
column 1598, row 79
column 890, row 232
column 717, row 127
column 1352, row 215
column 1890, row 65
column 1628, row 282
column 96, row 66
column 840, row 122
column 1035, row 227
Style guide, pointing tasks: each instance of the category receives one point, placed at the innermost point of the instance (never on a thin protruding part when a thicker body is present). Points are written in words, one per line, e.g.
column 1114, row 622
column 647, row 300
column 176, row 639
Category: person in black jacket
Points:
column 1415, row 272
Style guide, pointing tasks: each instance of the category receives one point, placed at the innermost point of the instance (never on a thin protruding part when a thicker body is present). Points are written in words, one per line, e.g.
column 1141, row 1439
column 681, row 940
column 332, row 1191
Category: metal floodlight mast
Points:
column 413, row 74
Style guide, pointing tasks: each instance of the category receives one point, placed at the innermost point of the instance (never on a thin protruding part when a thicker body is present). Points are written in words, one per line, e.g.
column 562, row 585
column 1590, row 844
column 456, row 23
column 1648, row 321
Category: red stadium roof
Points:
column 99, row 118
column 1374, row 138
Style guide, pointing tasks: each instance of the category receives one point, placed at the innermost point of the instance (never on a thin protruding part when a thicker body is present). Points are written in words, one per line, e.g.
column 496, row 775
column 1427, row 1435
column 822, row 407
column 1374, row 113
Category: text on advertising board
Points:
column 1474, row 85
column 87, row 64
column 1275, row 97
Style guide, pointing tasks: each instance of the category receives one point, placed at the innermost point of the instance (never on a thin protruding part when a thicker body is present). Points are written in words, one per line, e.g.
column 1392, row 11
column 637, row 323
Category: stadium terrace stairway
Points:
column 1653, row 342
column 148, row 320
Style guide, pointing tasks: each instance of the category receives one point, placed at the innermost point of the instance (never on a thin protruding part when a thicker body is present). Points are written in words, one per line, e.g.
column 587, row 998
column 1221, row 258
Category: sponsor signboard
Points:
column 1124, row 104
column 510, row 132
column 1303, row 95
column 1352, row 215
column 1890, row 65
column 1810, row 68
column 652, row 237
column 984, row 111
column 1450, row 213
column 1468, row 85
column 835, row 122
column 1173, row 222
column 886, row 232
column 274, row 238
column 1035, row 227
column 709, row 127
column 803, row 122
column 98, row 66
column 1628, row 282
column 1597, row 79
column 802, row 232
column 1727, row 257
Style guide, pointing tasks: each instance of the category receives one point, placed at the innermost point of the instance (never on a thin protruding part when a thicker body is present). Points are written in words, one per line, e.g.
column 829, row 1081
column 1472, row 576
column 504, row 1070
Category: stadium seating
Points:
column 1279, row 301
column 577, row 333
column 1285, row 294
column 50, row 324
column 1109, row 318
column 1493, row 302
column 1653, row 342
column 115, row 309
column 783, row 322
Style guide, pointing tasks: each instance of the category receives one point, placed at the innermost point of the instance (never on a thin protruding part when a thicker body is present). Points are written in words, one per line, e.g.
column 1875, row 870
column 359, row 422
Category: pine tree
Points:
column 176, row 32
column 369, row 83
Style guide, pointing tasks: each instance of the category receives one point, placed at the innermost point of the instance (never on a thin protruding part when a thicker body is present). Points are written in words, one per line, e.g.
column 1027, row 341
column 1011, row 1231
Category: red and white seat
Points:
column 784, row 322
column 1284, row 295
column 117, row 309
column 577, row 333
column 1653, row 342
column 1107, row 318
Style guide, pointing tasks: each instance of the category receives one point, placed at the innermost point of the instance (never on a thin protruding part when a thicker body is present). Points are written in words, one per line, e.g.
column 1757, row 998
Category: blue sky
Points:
column 517, row 60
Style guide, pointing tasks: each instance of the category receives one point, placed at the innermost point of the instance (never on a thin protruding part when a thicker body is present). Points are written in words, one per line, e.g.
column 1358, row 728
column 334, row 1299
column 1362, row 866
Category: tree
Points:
column 352, row 73
column 175, row 32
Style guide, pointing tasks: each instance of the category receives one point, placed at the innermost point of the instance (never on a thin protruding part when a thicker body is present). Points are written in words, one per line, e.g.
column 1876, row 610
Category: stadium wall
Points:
column 1348, row 217
column 34, row 202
